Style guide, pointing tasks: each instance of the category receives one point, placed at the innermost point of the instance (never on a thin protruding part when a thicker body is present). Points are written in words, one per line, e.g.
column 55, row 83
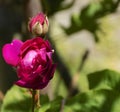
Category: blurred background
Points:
column 83, row 33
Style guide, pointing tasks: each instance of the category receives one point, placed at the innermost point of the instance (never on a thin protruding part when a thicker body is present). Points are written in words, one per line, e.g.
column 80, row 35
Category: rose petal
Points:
column 27, row 60
column 38, row 18
column 43, row 53
column 10, row 52
column 35, row 85
column 50, row 72
column 49, row 54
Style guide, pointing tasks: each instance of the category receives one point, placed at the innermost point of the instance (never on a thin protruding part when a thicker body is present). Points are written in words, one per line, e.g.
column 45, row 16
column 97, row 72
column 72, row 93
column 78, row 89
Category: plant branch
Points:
column 33, row 100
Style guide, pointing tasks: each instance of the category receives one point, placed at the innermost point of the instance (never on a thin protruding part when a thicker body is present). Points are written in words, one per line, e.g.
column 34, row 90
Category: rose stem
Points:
column 33, row 100
column 38, row 100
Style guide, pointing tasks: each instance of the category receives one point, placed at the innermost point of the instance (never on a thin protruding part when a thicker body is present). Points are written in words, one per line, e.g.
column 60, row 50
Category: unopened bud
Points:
column 38, row 25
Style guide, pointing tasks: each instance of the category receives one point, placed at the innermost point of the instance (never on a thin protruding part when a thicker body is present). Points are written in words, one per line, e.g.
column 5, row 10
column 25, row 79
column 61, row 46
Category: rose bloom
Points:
column 38, row 25
column 32, row 60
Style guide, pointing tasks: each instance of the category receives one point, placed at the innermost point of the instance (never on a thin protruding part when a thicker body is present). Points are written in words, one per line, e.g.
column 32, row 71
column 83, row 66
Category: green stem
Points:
column 38, row 100
column 33, row 100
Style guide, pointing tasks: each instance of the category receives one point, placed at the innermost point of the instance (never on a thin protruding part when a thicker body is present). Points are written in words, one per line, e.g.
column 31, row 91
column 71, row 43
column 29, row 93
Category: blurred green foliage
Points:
column 96, row 92
column 103, row 96
column 88, row 17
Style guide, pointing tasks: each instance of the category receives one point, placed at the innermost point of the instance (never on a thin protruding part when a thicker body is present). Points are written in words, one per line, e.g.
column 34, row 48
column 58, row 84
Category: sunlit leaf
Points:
column 17, row 100
column 55, row 105
column 88, row 17
column 106, row 79
column 95, row 101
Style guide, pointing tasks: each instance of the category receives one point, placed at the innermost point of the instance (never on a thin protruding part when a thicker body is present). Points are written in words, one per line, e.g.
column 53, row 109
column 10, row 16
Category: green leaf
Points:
column 43, row 108
column 55, row 105
column 17, row 100
column 93, row 9
column 106, row 79
column 95, row 101
column 52, row 106
column 44, row 102
column 87, row 18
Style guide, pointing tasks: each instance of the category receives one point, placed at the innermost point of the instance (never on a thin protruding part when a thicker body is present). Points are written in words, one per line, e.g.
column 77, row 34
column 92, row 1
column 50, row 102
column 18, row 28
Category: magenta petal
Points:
column 20, row 83
column 43, row 52
column 10, row 52
column 34, row 85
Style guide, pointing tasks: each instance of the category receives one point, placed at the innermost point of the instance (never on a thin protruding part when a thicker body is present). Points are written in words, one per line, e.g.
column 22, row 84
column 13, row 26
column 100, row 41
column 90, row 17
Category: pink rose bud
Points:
column 38, row 25
column 32, row 60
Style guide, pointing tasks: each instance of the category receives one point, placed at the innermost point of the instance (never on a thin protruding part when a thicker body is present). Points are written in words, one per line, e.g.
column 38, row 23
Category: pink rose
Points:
column 38, row 24
column 33, row 61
